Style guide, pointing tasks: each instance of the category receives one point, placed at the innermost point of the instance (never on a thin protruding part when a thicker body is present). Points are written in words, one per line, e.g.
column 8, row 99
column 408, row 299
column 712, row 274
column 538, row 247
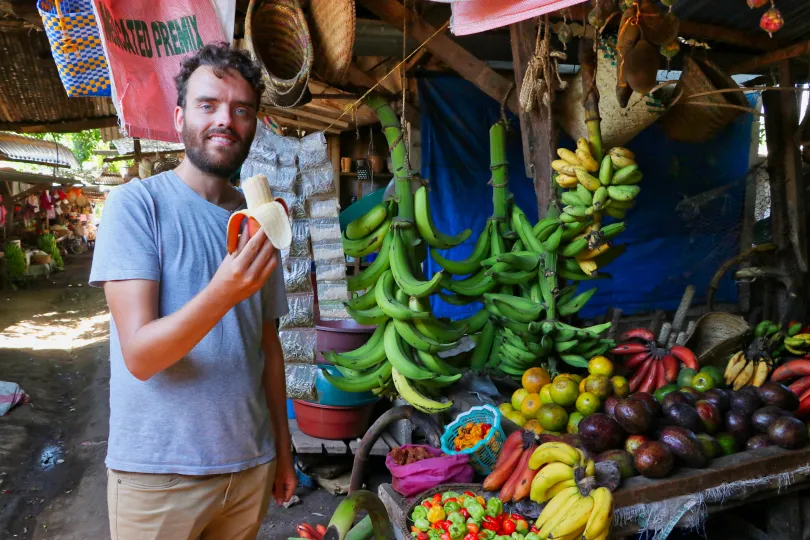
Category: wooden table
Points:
column 749, row 465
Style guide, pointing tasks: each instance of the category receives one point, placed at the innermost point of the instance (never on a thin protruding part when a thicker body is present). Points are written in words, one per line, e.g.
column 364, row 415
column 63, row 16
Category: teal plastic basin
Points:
column 332, row 396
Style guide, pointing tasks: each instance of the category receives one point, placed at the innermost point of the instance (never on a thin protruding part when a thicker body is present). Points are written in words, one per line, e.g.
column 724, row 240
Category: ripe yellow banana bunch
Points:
column 742, row 371
column 568, row 513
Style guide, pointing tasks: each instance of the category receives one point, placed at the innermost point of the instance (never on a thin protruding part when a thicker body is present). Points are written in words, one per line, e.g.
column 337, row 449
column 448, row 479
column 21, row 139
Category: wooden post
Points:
column 537, row 127
column 8, row 203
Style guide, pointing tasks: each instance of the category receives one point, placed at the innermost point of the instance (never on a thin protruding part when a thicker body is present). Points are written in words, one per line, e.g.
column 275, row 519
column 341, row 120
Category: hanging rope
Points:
column 537, row 82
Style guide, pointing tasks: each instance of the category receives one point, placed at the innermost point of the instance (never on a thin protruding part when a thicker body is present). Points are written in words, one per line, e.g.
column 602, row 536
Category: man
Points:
column 199, row 440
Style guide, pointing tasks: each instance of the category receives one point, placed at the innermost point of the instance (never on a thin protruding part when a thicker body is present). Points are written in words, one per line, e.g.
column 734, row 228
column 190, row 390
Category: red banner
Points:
column 144, row 43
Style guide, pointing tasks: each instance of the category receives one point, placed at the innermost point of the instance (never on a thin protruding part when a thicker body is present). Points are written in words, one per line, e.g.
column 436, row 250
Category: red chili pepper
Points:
column 464, row 512
column 445, row 524
column 507, row 527
column 423, row 536
column 446, row 536
column 451, row 499
column 437, row 526
column 470, row 536
column 534, row 529
column 469, row 494
column 491, row 524
column 517, row 517
column 437, row 497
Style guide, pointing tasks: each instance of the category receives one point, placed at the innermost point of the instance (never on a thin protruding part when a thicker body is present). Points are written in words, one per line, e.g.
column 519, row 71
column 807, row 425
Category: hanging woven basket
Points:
column 699, row 123
column 276, row 33
column 332, row 24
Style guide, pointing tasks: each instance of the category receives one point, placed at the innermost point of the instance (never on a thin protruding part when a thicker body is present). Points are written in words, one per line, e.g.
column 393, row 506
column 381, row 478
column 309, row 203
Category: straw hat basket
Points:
column 276, row 33
column 698, row 123
column 332, row 24
column 618, row 125
column 717, row 335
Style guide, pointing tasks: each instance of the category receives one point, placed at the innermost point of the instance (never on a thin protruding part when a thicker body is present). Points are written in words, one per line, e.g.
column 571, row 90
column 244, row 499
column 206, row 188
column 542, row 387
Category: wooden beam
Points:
column 536, row 130
column 446, row 50
column 288, row 119
column 33, row 162
column 757, row 63
column 68, row 126
column 304, row 113
column 710, row 32
column 138, row 155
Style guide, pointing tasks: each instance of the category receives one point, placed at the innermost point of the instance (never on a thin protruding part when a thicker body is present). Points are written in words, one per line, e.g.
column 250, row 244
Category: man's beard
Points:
column 207, row 160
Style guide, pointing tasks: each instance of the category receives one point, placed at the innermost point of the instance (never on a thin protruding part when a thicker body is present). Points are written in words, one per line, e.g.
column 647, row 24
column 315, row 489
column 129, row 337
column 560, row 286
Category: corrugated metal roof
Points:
column 31, row 91
column 737, row 15
column 15, row 147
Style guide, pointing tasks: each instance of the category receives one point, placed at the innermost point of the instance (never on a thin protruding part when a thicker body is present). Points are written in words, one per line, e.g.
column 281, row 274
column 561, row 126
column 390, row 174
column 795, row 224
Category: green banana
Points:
column 399, row 356
column 617, row 213
column 514, row 326
column 612, row 230
column 513, row 278
column 569, row 219
column 576, row 303
column 578, row 212
column 483, row 348
column 522, row 260
column 438, row 330
column 762, row 328
column 457, row 299
column 545, row 226
column 364, row 383
column 474, row 323
column 384, row 293
column 497, row 245
column 627, row 175
column 553, row 241
column 575, row 248
column 369, row 354
column 363, row 301
column 401, row 269
column 623, row 193
column 365, row 224
column 598, row 328
column 564, row 346
column 426, row 228
column 508, row 310
column 437, row 383
column 368, row 317
column 584, row 195
column 574, row 229
column 436, row 364
column 573, row 199
column 575, row 275
column 369, row 277
column 473, row 286
column 471, row 263
column 419, row 341
column 412, row 396
column 574, row 360
column 368, row 244
column 600, row 196
column 606, row 171
column 524, row 230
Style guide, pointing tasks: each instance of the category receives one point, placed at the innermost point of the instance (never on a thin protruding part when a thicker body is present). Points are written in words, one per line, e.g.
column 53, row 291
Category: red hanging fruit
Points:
column 753, row 4
column 771, row 21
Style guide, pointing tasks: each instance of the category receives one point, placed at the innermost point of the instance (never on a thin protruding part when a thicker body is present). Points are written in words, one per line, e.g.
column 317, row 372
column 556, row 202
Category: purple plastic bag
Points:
column 416, row 477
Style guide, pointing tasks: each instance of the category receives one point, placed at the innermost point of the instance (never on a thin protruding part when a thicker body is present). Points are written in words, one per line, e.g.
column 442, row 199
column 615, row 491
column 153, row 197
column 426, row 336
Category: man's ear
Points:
column 179, row 119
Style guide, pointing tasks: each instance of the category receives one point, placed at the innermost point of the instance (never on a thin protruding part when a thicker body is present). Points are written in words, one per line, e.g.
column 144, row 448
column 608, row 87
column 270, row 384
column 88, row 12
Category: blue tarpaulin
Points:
column 685, row 224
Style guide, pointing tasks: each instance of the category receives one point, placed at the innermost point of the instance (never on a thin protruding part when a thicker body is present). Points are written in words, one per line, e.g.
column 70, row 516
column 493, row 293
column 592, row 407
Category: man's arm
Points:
column 275, row 390
column 151, row 344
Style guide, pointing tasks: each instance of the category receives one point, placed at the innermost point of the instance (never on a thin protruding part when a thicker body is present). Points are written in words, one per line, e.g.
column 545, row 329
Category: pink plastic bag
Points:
column 416, row 477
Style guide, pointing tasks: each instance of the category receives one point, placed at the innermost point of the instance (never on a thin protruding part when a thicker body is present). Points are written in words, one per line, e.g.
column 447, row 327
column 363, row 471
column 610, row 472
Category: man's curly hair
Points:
column 221, row 57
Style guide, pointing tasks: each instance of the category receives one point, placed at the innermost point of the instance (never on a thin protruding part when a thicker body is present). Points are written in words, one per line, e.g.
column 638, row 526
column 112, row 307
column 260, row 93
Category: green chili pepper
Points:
column 456, row 517
column 457, row 532
column 494, row 507
column 476, row 511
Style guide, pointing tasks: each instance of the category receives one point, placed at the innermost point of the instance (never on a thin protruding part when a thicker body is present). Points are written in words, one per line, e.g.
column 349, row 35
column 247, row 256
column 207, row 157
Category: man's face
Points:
column 218, row 122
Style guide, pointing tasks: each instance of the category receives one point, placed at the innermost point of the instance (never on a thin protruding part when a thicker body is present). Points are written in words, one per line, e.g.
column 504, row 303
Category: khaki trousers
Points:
column 178, row 507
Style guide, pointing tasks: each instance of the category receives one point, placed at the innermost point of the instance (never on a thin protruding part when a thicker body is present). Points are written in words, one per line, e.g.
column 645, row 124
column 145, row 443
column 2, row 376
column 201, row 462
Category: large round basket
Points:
column 410, row 504
column 332, row 25
column 276, row 33
column 698, row 123
column 618, row 125
column 717, row 335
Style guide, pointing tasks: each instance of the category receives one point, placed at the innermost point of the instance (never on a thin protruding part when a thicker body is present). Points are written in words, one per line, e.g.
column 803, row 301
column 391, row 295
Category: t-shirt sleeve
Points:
column 126, row 243
column 274, row 298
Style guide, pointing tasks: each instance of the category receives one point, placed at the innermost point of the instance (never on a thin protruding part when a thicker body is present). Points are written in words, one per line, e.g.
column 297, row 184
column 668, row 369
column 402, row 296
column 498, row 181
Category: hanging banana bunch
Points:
column 404, row 350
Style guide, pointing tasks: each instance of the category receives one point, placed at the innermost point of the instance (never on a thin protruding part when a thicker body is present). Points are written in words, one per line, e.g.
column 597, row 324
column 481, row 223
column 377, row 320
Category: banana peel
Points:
column 264, row 211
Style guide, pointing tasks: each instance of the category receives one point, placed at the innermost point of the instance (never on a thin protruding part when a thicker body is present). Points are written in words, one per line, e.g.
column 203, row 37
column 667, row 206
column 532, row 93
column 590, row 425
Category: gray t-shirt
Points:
column 207, row 413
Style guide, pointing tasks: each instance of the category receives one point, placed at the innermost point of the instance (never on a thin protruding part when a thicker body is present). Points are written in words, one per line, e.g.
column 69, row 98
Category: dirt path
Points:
column 54, row 344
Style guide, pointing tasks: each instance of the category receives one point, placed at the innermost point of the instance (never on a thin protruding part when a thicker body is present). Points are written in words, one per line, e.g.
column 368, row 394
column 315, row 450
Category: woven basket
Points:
column 276, row 33
column 410, row 504
column 40, row 258
column 618, row 125
column 699, row 123
column 716, row 336
column 332, row 23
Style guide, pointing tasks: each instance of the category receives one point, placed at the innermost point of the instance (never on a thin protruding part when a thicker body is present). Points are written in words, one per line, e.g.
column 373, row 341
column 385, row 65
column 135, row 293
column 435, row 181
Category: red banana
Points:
column 498, row 477
column 637, row 333
column 524, row 485
column 660, row 376
column 649, row 382
column 793, row 368
column 509, row 488
column 670, row 368
column 684, row 355
column 636, row 360
column 638, row 377
column 512, row 441
column 805, row 394
column 804, row 408
column 321, row 528
column 630, row 348
column 799, row 386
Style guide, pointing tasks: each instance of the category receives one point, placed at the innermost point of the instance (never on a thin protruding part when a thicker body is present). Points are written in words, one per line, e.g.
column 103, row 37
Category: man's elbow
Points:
column 137, row 369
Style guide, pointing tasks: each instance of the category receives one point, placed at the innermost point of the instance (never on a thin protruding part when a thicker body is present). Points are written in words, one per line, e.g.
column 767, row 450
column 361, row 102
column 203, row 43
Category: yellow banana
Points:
column 587, row 180
column 551, row 452
column 593, row 253
column 735, row 366
column 600, row 519
column 569, row 156
column 620, row 162
column 554, row 490
column 587, row 160
column 555, row 505
column 547, row 477
column 590, row 468
column 588, row 267
column 575, row 520
column 744, row 376
column 621, row 152
column 562, row 166
column 565, row 181
column 761, row 373
column 583, row 144
column 583, row 459
column 554, row 519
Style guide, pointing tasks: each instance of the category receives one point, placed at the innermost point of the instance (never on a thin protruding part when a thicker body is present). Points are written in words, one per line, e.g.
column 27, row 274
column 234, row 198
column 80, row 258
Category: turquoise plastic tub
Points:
column 334, row 397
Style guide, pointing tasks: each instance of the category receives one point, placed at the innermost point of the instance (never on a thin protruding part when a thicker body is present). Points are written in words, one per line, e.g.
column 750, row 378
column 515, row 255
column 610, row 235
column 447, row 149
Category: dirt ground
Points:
column 54, row 344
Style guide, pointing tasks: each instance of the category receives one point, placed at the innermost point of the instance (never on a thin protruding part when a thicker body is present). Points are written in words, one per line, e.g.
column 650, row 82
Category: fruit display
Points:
column 403, row 351
column 654, row 366
column 753, row 365
column 543, row 405
column 464, row 516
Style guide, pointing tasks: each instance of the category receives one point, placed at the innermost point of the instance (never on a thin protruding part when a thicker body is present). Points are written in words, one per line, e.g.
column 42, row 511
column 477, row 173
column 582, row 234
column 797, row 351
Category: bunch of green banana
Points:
column 403, row 351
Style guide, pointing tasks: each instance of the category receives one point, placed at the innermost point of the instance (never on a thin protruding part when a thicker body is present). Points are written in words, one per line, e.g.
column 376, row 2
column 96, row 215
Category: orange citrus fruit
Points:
column 517, row 398
column 599, row 385
column 533, row 425
column 534, row 379
column 530, row 405
column 620, row 386
column 552, row 417
column 545, row 394
column 564, row 392
column 599, row 365
column 573, row 422
column 588, row 403
column 582, row 384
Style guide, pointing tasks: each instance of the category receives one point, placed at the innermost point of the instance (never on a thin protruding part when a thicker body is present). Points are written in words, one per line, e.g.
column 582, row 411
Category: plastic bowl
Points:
column 335, row 397
column 327, row 422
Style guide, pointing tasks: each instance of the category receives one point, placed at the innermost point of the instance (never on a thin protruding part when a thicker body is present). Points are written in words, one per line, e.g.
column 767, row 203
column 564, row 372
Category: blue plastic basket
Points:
column 484, row 454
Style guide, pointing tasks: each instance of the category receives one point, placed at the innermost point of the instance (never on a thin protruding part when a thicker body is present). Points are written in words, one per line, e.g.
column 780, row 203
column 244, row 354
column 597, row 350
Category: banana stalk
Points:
column 347, row 510
column 500, row 168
